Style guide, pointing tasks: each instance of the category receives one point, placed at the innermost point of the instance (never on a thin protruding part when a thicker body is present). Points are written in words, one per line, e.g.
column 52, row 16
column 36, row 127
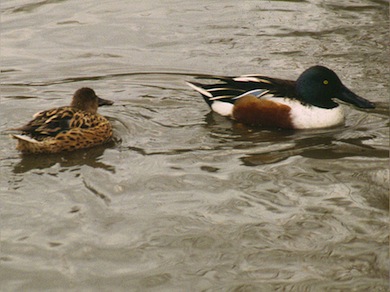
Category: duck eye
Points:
column 326, row 82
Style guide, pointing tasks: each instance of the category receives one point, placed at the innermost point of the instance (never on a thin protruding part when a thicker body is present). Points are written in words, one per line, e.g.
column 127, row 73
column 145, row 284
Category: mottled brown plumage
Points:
column 67, row 128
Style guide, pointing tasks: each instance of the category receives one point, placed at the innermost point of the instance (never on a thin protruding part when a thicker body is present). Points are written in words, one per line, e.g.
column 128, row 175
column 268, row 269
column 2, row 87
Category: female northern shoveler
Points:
column 271, row 102
column 67, row 128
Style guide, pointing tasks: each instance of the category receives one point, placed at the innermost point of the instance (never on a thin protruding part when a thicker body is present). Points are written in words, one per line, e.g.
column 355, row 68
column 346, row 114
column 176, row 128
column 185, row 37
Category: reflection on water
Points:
column 88, row 157
column 183, row 198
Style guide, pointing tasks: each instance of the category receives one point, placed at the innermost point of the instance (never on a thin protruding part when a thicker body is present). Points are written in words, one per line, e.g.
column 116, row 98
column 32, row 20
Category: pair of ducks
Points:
column 255, row 100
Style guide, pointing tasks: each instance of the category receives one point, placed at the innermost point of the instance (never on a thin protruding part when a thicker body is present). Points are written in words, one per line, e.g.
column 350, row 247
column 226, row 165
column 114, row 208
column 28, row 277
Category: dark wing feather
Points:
column 49, row 123
column 228, row 88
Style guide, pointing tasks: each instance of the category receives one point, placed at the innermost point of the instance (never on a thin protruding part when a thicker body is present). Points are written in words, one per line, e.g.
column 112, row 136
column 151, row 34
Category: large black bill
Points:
column 352, row 98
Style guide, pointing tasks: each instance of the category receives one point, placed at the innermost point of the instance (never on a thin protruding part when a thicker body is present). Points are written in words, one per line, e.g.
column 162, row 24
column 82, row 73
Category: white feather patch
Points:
column 25, row 138
column 315, row 117
column 37, row 114
column 248, row 78
column 312, row 117
column 222, row 108
column 200, row 90
column 256, row 92
column 218, row 89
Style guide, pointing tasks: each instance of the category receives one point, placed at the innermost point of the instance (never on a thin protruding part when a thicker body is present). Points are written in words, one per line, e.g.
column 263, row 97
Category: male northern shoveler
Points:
column 67, row 128
column 258, row 100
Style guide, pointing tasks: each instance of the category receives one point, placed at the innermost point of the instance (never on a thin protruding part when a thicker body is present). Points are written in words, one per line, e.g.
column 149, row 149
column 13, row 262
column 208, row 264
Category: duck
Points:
column 310, row 102
column 66, row 128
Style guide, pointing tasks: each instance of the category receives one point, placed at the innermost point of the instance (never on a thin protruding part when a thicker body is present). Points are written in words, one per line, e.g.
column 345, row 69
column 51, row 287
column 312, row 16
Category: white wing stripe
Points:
column 251, row 79
column 221, row 97
column 200, row 90
column 25, row 138
column 256, row 92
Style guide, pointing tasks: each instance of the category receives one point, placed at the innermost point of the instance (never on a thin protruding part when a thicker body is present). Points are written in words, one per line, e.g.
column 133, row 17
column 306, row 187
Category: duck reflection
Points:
column 89, row 157
column 318, row 147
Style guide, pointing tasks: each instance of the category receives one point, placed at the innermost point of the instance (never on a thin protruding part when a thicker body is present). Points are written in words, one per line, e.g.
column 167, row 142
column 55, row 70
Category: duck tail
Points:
column 27, row 144
column 200, row 88
column 24, row 138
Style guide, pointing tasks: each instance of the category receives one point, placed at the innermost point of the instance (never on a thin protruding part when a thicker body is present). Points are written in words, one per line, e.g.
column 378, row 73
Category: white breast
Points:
column 311, row 117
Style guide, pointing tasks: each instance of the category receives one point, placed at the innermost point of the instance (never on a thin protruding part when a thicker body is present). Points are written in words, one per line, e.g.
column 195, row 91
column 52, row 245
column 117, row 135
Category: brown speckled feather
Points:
column 65, row 128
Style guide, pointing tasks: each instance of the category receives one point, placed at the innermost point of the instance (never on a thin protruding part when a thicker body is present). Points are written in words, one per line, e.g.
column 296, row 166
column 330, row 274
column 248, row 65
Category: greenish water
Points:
column 185, row 200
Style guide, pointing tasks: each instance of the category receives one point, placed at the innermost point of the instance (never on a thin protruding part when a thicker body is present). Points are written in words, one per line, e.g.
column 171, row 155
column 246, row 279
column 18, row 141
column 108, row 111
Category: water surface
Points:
column 185, row 200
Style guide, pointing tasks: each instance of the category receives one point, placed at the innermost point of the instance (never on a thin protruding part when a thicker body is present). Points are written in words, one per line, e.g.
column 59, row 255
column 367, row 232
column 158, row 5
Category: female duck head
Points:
column 86, row 99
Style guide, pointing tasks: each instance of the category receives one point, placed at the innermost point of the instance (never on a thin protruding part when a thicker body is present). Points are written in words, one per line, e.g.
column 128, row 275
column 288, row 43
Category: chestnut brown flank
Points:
column 266, row 113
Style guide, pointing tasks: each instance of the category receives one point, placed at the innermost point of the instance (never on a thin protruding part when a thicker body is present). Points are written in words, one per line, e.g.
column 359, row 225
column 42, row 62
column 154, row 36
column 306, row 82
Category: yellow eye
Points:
column 326, row 82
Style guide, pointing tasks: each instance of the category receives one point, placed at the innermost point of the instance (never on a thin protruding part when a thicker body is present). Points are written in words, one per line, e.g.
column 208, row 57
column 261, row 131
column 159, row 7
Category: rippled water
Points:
column 184, row 200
